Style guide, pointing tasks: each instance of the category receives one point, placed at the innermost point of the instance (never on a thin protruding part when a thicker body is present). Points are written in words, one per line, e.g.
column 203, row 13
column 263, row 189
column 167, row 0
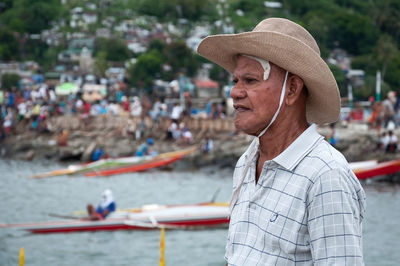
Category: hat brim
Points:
column 323, row 102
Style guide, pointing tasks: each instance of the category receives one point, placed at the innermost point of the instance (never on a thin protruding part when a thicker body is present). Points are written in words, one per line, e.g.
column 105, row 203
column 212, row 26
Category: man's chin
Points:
column 245, row 129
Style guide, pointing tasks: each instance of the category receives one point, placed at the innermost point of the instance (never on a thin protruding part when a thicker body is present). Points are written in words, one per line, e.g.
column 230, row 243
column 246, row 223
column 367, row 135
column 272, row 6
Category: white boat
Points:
column 196, row 216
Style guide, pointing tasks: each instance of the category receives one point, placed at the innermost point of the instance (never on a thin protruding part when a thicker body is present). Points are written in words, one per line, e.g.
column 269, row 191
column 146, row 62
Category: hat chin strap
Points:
column 236, row 191
column 279, row 107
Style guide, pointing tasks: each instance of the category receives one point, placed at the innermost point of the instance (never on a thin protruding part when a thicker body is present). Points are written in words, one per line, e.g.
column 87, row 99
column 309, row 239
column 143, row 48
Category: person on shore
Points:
column 391, row 142
column 295, row 200
column 383, row 141
column 388, row 108
column 106, row 206
column 173, row 131
column 187, row 136
column 208, row 145
column 332, row 137
column 145, row 148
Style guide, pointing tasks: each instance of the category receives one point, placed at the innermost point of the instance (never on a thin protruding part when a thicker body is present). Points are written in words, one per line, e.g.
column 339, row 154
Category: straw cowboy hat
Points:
column 289, row 46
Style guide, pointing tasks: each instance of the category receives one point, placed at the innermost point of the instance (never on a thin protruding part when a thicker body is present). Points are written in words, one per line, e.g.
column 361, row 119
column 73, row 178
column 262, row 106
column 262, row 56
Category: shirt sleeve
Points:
column 334, row 219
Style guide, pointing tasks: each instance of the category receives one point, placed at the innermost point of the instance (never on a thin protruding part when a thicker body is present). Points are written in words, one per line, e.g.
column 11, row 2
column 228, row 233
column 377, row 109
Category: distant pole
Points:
column 378, row 86
column 21, row 257
column 350, row 94
column 162, row 247
column 182, row 83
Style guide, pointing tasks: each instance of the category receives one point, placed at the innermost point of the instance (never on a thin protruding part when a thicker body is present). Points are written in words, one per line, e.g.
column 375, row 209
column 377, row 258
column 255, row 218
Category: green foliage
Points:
column 368, row 89
column 5, row 5
column 392, row 76
column 36, row 50
column 157, row 44
column 101, row 64
column 167, row 10
column 219, row 74
column 367, row 30
column 176, row 55
column 319, row 27
column 300, row 8
column 146, row 69
column 365, row 62
column 9, row 47
column 31, row 16
column 50, row 55
column 340, row 78
column 385, row 51
column 353, row 32
column 180, row 58
column 386, row 15
column 9, row 81
column 114, row 49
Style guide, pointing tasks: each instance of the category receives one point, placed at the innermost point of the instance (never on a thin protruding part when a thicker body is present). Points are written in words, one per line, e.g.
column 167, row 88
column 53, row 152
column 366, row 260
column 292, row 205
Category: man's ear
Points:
column 295, row 87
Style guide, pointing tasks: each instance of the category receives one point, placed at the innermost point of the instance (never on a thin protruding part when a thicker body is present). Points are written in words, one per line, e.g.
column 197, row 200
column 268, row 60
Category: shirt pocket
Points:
column 282, row 227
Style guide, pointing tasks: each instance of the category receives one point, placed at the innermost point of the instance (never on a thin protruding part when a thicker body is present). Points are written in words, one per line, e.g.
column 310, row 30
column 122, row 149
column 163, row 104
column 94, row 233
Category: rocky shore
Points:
column 116, row 136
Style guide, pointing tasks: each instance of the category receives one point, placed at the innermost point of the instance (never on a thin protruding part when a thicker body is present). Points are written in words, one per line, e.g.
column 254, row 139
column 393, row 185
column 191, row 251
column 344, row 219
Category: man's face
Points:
column 254, row 99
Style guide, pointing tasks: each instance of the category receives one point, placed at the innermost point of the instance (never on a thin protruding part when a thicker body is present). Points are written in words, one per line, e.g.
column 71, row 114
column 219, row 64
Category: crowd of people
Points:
column 385, row 118
column 33, row 106
column 385, row 114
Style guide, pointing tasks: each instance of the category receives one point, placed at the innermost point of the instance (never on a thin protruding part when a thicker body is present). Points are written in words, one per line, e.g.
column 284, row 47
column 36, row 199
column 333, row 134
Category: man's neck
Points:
column 275, row 141
column 278, row 137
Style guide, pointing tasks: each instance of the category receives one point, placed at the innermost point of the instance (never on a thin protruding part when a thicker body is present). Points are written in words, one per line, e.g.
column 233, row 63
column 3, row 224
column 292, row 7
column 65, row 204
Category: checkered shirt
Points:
column 306, row 208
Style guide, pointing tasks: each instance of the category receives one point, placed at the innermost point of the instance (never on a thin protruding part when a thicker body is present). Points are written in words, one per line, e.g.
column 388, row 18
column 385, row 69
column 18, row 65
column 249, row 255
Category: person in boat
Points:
column 106, row 206
column 295, row 200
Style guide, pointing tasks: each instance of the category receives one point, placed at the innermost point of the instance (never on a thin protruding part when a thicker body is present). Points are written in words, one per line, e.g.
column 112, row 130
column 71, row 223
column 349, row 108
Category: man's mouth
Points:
column 240, row 108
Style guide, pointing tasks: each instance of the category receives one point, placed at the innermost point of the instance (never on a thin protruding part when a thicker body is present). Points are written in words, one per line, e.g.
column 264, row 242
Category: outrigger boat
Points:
column 372, row 169
column 196, row 216
column 112, row 166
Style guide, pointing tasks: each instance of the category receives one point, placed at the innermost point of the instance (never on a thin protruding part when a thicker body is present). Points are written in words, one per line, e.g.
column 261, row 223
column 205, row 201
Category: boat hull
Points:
column 198, row 216
column 380, row 169
column 126, row 225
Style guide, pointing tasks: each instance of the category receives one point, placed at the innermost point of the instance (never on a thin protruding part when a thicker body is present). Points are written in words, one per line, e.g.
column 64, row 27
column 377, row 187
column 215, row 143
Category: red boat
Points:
column 113, row 166
column 143, row 166
column 197, row 216
column 377, row 169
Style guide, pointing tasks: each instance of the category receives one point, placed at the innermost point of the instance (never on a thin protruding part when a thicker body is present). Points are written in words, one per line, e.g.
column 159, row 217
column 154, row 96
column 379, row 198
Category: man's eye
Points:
column 250, row 80
column 235, row 81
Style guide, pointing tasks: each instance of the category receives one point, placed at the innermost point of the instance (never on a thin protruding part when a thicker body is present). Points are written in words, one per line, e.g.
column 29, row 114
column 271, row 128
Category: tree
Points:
column 27, row 16
column 114, row 49
column 146, row 69
column 101, row 64
column 385, row 14
column 318, row 25
column 340, row 78
column 9, row 80
column 157, row 44
column 392, row 76
column 385, row 51
column 167, row 10
column 9, row 47
column 354, row 32
column 180, row 57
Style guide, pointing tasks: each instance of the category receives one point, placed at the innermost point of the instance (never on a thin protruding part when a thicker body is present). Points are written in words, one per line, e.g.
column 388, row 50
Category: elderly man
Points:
column 295, row 200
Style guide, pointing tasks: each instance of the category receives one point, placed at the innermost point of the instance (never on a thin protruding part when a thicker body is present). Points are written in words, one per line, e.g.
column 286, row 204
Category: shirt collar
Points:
column 299, row 148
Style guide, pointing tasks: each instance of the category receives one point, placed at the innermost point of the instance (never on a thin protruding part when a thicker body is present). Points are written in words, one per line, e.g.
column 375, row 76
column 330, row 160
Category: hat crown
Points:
column 289, row 28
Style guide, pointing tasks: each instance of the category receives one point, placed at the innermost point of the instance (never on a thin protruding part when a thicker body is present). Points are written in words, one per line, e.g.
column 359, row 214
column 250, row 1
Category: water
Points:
column 24, row 199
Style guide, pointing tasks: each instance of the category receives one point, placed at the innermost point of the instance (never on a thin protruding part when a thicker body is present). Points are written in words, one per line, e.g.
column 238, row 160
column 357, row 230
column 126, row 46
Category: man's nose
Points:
column 238, row 91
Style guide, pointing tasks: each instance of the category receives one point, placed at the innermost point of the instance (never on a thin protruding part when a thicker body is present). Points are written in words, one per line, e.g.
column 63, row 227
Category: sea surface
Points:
column 23, row 199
